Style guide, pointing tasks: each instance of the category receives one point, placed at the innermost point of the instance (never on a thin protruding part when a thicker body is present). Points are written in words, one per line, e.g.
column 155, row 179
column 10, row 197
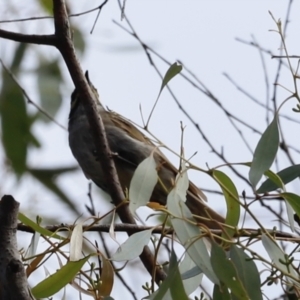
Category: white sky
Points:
column 202, row 35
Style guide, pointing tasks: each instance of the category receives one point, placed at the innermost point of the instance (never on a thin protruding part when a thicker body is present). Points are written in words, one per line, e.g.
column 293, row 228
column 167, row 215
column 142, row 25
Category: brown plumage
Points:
column 130, row 147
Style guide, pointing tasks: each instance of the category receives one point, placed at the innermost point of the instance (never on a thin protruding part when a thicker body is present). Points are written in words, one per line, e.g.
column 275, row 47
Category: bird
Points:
column 130, row 147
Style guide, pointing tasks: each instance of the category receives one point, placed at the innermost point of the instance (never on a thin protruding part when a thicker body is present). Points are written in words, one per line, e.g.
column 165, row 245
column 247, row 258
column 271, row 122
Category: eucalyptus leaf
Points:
column 76, row 243
column 142, row 183
column 265, row 152
column 227, row 273
column 54, row 283
column 189, row 234
column 247, row 272
column 49, row 82
column 173, row 283
column 286, row 175
column 15, row 122
column 232, row 201
column 106, row 279
column 47, row 178
column 133, row 246
column 278, row 257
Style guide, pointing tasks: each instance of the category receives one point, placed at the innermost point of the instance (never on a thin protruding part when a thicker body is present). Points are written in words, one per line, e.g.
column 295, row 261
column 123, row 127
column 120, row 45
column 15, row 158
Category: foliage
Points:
column 225, row 256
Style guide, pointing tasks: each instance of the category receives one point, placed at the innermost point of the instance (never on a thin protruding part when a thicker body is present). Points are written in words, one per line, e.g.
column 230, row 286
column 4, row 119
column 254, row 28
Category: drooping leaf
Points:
column 32, row 266
column 15, row 122
column 59, row 279
column 49, row 82
column 286, row 175
column 173, row 283
column 273, row 179
column 31, row 251
column 232, row 201
column 247, row 272
column 189, row 234
column 294, row 201
column 278, row 257
column 36, row 227
column 47, row 178
column 265, row 152
column 106, row 279
column 192, row 280
column 76, row 243
column 226, row 272
column 133, row 246
column 142, row 183
column 221, row 292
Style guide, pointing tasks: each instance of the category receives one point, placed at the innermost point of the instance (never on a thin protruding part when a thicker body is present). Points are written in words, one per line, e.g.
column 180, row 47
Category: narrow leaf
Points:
column 293, row 203
column 58, row 280
column 221, row 293
column 133, row 246
column 49, row 82
column 107, row 278
column 23, row 219
column 226, row 272
column 76, row 243
column 232, row 201
column 273, row 181
column 278, row 257
column 286, row 175
column 265, row 152
column 142, row 183
column 172, row 283
column 189, row 234
column 247, row 272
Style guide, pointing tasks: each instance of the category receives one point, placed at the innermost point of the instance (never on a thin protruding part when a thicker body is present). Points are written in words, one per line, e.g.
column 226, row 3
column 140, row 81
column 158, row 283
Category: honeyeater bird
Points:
column 130, row 147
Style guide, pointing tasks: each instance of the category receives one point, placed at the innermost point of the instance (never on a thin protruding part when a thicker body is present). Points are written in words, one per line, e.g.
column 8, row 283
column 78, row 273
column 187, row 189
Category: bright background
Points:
column 201, row 34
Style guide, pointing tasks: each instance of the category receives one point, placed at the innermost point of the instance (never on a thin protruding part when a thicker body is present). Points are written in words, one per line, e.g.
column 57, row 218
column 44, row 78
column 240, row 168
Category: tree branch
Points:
column 66, row 48
column 13, row 280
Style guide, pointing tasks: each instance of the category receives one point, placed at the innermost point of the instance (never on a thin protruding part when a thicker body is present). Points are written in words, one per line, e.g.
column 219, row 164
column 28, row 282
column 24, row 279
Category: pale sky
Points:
column 201, row 34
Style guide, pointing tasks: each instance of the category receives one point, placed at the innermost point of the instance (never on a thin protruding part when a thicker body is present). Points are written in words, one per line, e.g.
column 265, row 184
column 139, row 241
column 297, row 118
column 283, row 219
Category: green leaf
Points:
column 192, row 279
column 47, row 178
column 221, row 293
column 189, row 234
column 49, row 82
column 15, row 122
column 142, row 183
column 265, row 152
column 76, row 243
column 23, row 219
column 226, row 272
column 47, row 5
column 273, row 180
column 18, row 57
column 247, row 272
column 58, row 280
column 173, row 283
column 171, row 73
column 293, row 200
column 232, row 201
column 286, row 175
column 133, row 246
column 278, row 257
